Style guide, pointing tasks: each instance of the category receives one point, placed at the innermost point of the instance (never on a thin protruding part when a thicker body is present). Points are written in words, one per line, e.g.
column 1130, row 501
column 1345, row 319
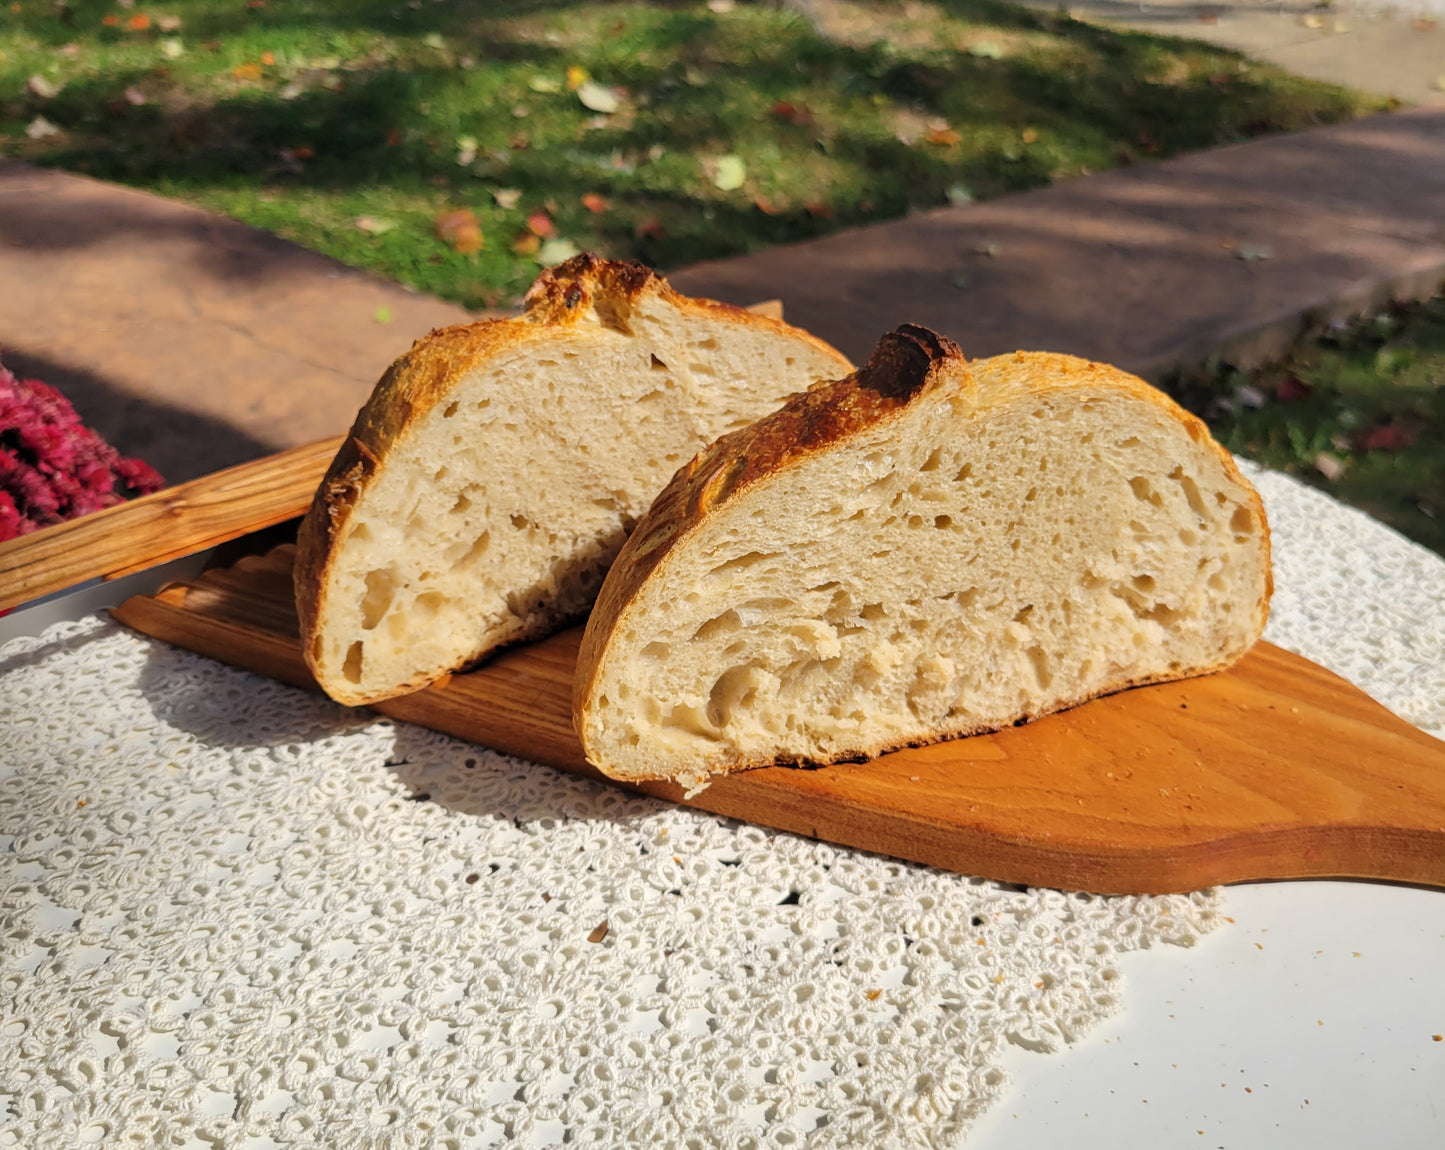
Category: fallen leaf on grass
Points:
column 507, row 198
column 943, row 137
column 40, row 86
column 557, row 251
column 1029, row 136
column 134, row 97
column 139, row 22
column 246, row 71
column 540, row 224
column 40, row 128
column 526, row 244
column 766, row 206
column 1247, row 395
column 597, row 98
column 958, row 194
column 458, row 228
column 373, row 226
column 466, row 150
column 594, row 203
column 649, row 229
column 172, row 49
column 820, row 210
column 434, row 40
column 168, row 23
column 1328, row 466
column 1290, row 389
column 1388, row 437
column 797, row 115
column 729, row 173
column 576, row 77
column 986, row 50
column 544, row 84
column 110, row 19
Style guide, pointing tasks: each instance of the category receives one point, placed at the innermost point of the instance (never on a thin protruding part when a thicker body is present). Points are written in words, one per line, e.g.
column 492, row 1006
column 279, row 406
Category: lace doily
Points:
column 233, row 914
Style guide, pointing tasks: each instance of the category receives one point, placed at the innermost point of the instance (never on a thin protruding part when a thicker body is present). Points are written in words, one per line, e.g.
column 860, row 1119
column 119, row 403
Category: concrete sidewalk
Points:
column 1393, row 48
column 196, row 342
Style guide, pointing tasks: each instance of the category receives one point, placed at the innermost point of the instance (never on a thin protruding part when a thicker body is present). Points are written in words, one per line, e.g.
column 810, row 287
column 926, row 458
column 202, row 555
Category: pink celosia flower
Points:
column 53, row 467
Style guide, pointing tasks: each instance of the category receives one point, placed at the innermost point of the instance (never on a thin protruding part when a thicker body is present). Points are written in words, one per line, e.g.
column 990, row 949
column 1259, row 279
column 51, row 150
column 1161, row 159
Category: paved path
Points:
column 185, row 338
column 1141, row 267
column 196, row 342
column 1394, row 48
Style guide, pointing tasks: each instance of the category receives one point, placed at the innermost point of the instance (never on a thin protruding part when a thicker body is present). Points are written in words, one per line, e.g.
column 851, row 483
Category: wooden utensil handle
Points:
column 168, row 524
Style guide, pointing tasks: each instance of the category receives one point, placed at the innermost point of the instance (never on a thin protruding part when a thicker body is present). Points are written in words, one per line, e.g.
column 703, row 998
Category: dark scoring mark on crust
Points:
column 901, row 367
column 566, row 292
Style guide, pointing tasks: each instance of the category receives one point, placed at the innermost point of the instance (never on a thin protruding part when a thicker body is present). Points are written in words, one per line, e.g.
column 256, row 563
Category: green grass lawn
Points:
column 1358, row 411
column 354, row 126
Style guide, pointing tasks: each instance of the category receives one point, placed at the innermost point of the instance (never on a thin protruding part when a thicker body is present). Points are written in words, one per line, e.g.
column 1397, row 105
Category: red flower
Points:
column 53, row 467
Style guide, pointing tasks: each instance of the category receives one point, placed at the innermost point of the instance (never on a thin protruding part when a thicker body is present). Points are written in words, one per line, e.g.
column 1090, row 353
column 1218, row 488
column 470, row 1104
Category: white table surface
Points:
column 1309, row 1020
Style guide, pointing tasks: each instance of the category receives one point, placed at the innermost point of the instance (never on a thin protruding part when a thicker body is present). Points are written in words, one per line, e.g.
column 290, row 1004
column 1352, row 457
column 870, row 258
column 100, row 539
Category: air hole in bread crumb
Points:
column 1242, row 524
column 1144, row 491
column 352, row 667
column 380, row 589
column 1032, row 495
column 473, row 552
column 483, row 404
column 430, row 603
column 658, row 365
column 932, row 462
column 1040, row 663
column 1143, row 582
column 656, row 650
column 521, row 522
column 463, row 503
column 451, row 409
column 743, row 562
column 942, row 522
column 915, row 521
column 1132, row 441
column 872, row 612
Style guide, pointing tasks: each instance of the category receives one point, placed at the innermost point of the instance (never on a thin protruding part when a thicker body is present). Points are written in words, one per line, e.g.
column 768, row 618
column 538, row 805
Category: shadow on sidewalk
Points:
column 180, row 444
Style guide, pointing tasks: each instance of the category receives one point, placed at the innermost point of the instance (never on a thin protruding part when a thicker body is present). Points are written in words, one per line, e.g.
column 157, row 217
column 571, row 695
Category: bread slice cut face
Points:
column 494, row 473
column 927, row 549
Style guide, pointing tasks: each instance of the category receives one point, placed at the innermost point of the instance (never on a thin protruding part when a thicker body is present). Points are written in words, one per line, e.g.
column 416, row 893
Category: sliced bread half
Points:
column 497, row 468
column 929, row 548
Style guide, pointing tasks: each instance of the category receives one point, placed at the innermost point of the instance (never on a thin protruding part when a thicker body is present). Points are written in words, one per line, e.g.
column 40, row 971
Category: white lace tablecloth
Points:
column 236, row 915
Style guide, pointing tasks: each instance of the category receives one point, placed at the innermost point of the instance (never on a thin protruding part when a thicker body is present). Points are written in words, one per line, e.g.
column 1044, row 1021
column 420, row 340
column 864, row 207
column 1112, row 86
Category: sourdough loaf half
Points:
column 929, row 548
column 495, row 471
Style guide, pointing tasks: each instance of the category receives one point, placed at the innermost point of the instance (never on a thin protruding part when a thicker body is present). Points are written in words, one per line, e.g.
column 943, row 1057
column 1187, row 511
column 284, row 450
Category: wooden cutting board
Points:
column 1273, row 769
